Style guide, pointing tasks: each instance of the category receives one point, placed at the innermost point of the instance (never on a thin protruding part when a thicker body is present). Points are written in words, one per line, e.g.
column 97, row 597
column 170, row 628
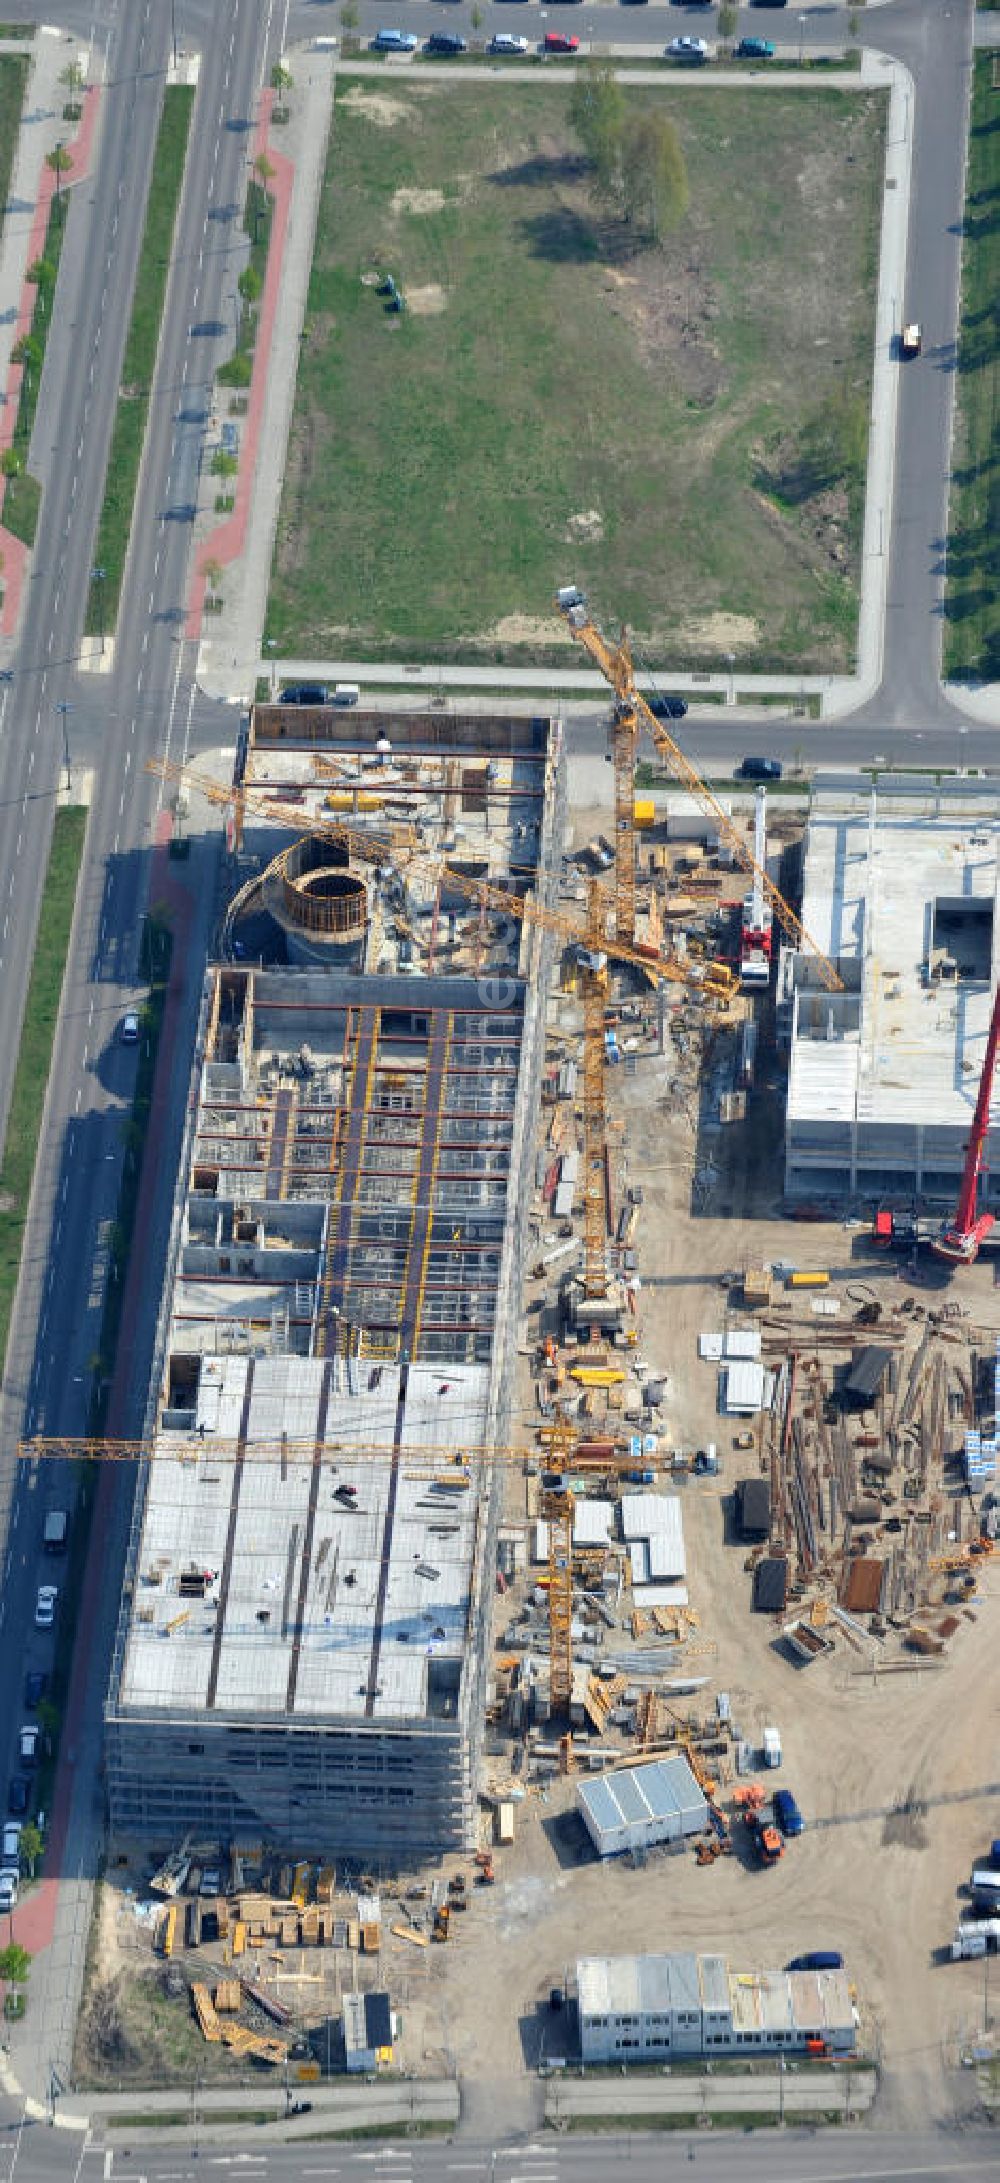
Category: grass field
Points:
column 554, row 405
column 139, row 361
column 35, row 1054
column 972, row 597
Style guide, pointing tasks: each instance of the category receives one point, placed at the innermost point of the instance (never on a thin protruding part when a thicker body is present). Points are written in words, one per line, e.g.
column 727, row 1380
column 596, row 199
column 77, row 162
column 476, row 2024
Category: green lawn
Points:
column 35, row 1053
column 13, row 77
column 972, row 598
column 681, row 430
column 139, row 361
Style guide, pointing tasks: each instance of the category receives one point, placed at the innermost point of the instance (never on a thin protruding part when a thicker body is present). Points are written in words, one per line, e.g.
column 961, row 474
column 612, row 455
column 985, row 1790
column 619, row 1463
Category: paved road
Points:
column 798, row 2156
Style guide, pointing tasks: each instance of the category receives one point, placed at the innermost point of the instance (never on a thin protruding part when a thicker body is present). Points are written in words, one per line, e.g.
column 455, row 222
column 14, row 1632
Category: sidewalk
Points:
column 32, row 187
column 297, row 154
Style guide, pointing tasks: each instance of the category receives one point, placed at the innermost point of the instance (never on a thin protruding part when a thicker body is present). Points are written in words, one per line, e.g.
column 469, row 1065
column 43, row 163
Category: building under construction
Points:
column 901, row 891
column 303, row 1644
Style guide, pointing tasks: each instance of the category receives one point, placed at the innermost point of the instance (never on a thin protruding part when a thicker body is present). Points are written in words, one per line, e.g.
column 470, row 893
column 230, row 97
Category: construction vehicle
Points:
column 167, row 1932
column 767, row 1841
column 960, row 1240
column 485, row 1874
column 615, row 664
column 442, row 1922
column 756, row 916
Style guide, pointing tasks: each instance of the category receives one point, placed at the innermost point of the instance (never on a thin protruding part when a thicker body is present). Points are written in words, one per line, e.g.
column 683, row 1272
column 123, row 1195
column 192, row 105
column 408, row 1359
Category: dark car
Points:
column 754, row 49
column 304, row 693
column 667, row 708
column 35, row 1687
column 560, row 41
column 760, row 769
column 787, row 1812
column 445, row 41
column 19, row 1795
column 820, row 1959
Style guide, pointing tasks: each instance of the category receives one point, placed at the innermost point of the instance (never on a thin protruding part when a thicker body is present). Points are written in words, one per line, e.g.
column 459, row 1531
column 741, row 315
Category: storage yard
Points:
column 737, row 1525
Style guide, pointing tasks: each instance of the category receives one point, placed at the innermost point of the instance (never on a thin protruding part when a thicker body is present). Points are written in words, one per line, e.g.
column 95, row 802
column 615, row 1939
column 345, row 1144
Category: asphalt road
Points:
column 797, row 2156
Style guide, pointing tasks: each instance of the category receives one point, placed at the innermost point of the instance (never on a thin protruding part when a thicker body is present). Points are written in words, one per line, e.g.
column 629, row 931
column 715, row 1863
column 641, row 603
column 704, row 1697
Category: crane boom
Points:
column 959, row 1240
column 615, row 664
column 558, row 1445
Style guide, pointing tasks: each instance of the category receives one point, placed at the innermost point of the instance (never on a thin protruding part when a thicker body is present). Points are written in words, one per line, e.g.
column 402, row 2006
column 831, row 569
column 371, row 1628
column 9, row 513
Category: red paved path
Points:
column 228, row 539
column 16, row 554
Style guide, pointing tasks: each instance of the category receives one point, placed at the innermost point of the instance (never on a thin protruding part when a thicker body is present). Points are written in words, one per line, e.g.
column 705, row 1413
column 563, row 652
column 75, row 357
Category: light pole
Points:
column 64, row 711
column 731, row 658
column 173, row 31
column 802, row 35
column 271, row 645
column 97, row 576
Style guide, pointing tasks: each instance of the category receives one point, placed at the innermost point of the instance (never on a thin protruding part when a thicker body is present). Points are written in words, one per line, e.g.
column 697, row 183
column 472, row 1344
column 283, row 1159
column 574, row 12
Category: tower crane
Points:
column 615, row 664
column 959, row 1240
column 591, row 939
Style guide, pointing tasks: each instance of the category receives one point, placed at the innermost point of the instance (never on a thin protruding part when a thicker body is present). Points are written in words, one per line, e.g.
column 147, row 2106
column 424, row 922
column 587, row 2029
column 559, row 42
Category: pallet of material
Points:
column 270, row 2004
column 253, row 1909
column 252, row 2044
column 288, row 1930
column 300, row 1886
column 193, row 1921
column 228, row 1995
column 239, row 1937
column 309, row 1929
column 409, row 1932
column 325, row 1882
column 204, row 2010
column 371, row 1939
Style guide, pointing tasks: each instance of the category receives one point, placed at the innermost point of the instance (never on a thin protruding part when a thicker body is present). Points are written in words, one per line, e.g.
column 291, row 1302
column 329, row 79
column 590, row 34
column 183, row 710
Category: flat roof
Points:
column 889, row 880
column 641, row 1795
column 313, row 1605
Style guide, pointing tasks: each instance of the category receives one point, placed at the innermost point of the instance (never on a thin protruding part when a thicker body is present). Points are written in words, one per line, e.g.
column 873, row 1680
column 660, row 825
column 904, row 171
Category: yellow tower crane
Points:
column 401, row 847
column 631, row 712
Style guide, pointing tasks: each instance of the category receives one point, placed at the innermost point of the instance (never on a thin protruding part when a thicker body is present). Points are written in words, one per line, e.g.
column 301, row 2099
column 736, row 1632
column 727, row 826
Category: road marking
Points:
column 108, row 2163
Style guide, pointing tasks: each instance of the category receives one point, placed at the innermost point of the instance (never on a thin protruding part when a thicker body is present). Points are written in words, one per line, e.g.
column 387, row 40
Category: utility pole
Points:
column 64, row 711
column 97, row 577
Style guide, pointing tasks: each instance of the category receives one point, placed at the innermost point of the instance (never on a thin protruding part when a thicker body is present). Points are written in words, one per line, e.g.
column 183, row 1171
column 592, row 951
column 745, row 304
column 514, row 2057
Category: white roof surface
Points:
column 869, row 893
column 291, row 1569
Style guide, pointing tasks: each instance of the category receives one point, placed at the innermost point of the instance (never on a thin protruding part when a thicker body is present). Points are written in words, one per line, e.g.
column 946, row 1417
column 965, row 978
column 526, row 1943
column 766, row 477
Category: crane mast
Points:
column 959, row 1240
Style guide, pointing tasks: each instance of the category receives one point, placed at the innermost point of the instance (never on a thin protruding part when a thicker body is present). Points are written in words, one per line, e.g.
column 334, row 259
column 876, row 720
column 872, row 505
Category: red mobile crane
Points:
column 960, row 1239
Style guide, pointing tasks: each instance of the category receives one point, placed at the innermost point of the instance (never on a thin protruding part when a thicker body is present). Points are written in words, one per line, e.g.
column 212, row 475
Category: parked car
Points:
column 445, row 41
column 303, row 693
column 384, row 41
column 506, row 41
column 129, row 1032
column 911, row 340
column 12, row 1845
column 9, row 1884
column 560, row 41
column 45, row 1606
column 19, row 1795
column 691, row 50
column 759, row 769
column 28, row 1745
column 667, row 708
column 769, row 3
column 818, row 1959
column 787, row 1812
column 753, row 49
column 35, row 1687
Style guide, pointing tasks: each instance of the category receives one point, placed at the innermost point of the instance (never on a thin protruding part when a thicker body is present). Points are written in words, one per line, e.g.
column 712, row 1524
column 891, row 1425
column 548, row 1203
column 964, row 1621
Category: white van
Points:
column 346, row 693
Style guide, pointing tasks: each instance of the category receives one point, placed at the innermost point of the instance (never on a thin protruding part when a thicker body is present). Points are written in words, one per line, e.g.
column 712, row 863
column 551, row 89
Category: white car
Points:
column 129, row 1033
column 45, row 1606
column 9, row 1883
column 11, row 1846
column 687, row 49
column 506, row 41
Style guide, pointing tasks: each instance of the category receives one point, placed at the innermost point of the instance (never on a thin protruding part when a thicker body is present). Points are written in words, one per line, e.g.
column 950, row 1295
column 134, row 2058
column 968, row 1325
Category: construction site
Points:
column 546, row 1515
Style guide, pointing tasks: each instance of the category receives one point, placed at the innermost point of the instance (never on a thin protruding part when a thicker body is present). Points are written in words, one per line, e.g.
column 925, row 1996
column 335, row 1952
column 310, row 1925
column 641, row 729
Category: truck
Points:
column 56, row 1531
column 772, row 1747
column 505, row 1823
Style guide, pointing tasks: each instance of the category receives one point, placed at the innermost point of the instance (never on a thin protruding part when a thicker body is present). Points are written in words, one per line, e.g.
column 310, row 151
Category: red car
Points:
column 557, row 41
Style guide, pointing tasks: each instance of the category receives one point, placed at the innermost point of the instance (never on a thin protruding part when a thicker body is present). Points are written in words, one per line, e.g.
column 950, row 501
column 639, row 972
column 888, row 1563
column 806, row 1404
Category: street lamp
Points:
column 802, row 34
column 271, row 645
column 64, row 710
column 731, row 657
column 97, row 576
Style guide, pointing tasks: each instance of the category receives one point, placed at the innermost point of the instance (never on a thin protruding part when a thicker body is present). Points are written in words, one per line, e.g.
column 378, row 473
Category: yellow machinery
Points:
column 631, row 711
column 713, row 980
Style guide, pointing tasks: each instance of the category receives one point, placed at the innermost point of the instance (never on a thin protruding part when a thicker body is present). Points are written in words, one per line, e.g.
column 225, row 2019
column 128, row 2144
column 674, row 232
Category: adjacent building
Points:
column 660, row 2007
column 303, row 1642
column 900, row 891
column 637, row 1807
